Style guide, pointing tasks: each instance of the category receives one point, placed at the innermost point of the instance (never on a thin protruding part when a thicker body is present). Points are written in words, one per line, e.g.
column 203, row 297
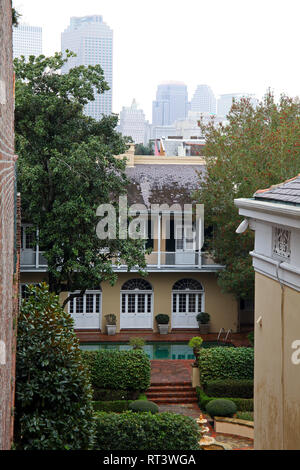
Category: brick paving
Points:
column 192, row 410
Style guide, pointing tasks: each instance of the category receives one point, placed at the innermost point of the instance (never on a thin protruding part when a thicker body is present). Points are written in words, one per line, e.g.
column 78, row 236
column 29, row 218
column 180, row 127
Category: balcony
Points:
column 34, row 260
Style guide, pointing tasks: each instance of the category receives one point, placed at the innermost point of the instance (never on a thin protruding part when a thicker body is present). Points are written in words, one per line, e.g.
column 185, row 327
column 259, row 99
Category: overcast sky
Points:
column 232, row 45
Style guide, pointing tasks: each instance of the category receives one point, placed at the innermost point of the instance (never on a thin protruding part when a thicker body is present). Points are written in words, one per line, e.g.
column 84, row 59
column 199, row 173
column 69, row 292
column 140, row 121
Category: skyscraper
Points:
column 204, row 100
column 92, row 40
column 225, row 101
column 27, row 40
column 171, row 103
column 133, row 123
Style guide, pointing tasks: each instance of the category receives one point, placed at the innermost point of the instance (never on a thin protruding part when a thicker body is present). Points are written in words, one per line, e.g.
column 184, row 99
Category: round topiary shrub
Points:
column 221, row 407
column 139, row 406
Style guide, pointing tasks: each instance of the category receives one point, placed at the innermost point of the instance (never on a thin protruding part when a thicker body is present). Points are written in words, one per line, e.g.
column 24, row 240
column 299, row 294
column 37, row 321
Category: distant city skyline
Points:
column 241, row 47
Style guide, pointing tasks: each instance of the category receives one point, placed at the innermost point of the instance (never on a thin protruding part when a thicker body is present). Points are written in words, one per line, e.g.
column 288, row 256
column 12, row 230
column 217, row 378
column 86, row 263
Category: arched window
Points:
column 187, row 296
column 136, row 296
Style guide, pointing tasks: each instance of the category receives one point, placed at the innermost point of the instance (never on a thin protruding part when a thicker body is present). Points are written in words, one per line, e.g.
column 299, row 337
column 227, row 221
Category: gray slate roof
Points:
column 163, row 184
column 286, row 192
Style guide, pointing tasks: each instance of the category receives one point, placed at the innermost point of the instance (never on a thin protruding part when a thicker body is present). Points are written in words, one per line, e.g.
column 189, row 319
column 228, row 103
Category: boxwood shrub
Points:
column 139, row 406
column 242, row 388
column 146, row 431
column 225, row 363
column 118, row 370
column 101, row 394
column 221, row 407
column 243, row 404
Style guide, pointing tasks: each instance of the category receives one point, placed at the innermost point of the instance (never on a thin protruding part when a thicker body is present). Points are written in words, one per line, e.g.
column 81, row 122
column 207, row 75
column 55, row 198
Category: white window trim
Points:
column 93, row 292
column 187, row 292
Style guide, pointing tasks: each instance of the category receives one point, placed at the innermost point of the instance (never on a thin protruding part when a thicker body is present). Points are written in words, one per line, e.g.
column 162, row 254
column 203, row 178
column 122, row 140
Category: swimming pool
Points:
column 155, row 350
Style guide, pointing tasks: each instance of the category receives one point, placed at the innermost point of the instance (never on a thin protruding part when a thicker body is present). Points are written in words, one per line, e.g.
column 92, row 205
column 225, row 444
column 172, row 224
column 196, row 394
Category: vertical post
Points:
column 37, row 251
column 158, row 240
column 199, row 243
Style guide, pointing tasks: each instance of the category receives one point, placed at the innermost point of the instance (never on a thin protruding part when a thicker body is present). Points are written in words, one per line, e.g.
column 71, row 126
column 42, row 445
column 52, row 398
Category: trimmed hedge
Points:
column 225, row 363
column 140, row 406
column 116, row 406
column 118, row 370
column 243, row 404
column 145, row 431
column 230, row 388
column 221, row 407
column 109, row 395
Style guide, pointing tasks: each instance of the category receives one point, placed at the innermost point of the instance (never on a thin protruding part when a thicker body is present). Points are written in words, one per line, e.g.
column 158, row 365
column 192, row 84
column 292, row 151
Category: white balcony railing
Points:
column 34, row 259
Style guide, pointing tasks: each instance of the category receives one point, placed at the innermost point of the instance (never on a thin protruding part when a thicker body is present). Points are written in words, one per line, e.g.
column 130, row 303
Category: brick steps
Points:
column 179, row 392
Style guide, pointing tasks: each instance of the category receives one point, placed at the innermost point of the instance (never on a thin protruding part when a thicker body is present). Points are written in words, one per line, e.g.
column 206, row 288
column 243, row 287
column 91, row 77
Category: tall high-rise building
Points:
column 133, row 123
column 92, row 40
column 27, row 40
column 204, row 100
column 171, row 103
column 225, row 101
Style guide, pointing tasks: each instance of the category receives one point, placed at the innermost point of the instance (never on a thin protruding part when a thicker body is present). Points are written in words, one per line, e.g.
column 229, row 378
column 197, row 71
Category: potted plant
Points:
column 162, row 321
column 136, row 342
column 111, row 323
column 203, row 319
column 196, row 343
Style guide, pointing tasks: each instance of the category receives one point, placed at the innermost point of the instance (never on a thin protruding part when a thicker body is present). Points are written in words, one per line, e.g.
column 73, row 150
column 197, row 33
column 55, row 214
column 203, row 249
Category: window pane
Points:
column 199, row 302
column 89, row 303
column 192, row 303
column 149, row 303
column 174, row 303
column 123, row 303
column 141, row 303
column 79, row 304
column 97, row 303
column 182, row 303
column 131, row 303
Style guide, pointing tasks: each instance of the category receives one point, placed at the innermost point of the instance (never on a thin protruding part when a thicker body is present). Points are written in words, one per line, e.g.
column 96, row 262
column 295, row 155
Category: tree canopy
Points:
column 258, row 147
column 66, row 168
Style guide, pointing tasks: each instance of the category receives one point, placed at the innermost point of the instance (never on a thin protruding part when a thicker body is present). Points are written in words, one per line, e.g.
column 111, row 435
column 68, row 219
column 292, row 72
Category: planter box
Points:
column 163, row 329
column 234, row 426
column 111, row 329
column 204, row 328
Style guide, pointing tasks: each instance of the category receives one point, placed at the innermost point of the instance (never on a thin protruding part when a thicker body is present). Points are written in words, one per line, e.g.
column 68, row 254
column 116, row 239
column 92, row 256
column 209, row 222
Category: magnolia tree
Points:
column 66, row 169
column 257, row 148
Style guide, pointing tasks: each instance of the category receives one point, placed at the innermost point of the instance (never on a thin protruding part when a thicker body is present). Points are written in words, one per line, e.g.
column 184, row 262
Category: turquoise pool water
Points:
column 158, row 350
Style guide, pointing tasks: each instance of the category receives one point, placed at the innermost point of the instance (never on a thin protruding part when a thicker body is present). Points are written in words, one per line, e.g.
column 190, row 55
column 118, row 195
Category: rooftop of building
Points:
column 162, row 179
column 287, row 192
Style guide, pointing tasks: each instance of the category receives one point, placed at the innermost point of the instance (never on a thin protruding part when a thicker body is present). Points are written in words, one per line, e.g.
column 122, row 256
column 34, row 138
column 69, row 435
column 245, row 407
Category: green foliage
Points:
column 136, row 342
column 118, row 370
column 15, row 17
column 53, row 408
column 246, row 415
column 250, row 337
column 243, row 404
column 139, row 406
column 230, row 388
column 111, row 319
column 258, row 148
column 66, row 169
column 203, row 318
column 195, row 342
column 116, row 406
column 103, row 394
column 221, row 407
column 225, row 363
column 145, row 431
column 141, row 149
column 162, row 319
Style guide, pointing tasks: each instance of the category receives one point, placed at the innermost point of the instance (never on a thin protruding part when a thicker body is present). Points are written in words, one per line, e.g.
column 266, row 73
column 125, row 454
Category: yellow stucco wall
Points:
column 222, row 308
column 277, row 379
